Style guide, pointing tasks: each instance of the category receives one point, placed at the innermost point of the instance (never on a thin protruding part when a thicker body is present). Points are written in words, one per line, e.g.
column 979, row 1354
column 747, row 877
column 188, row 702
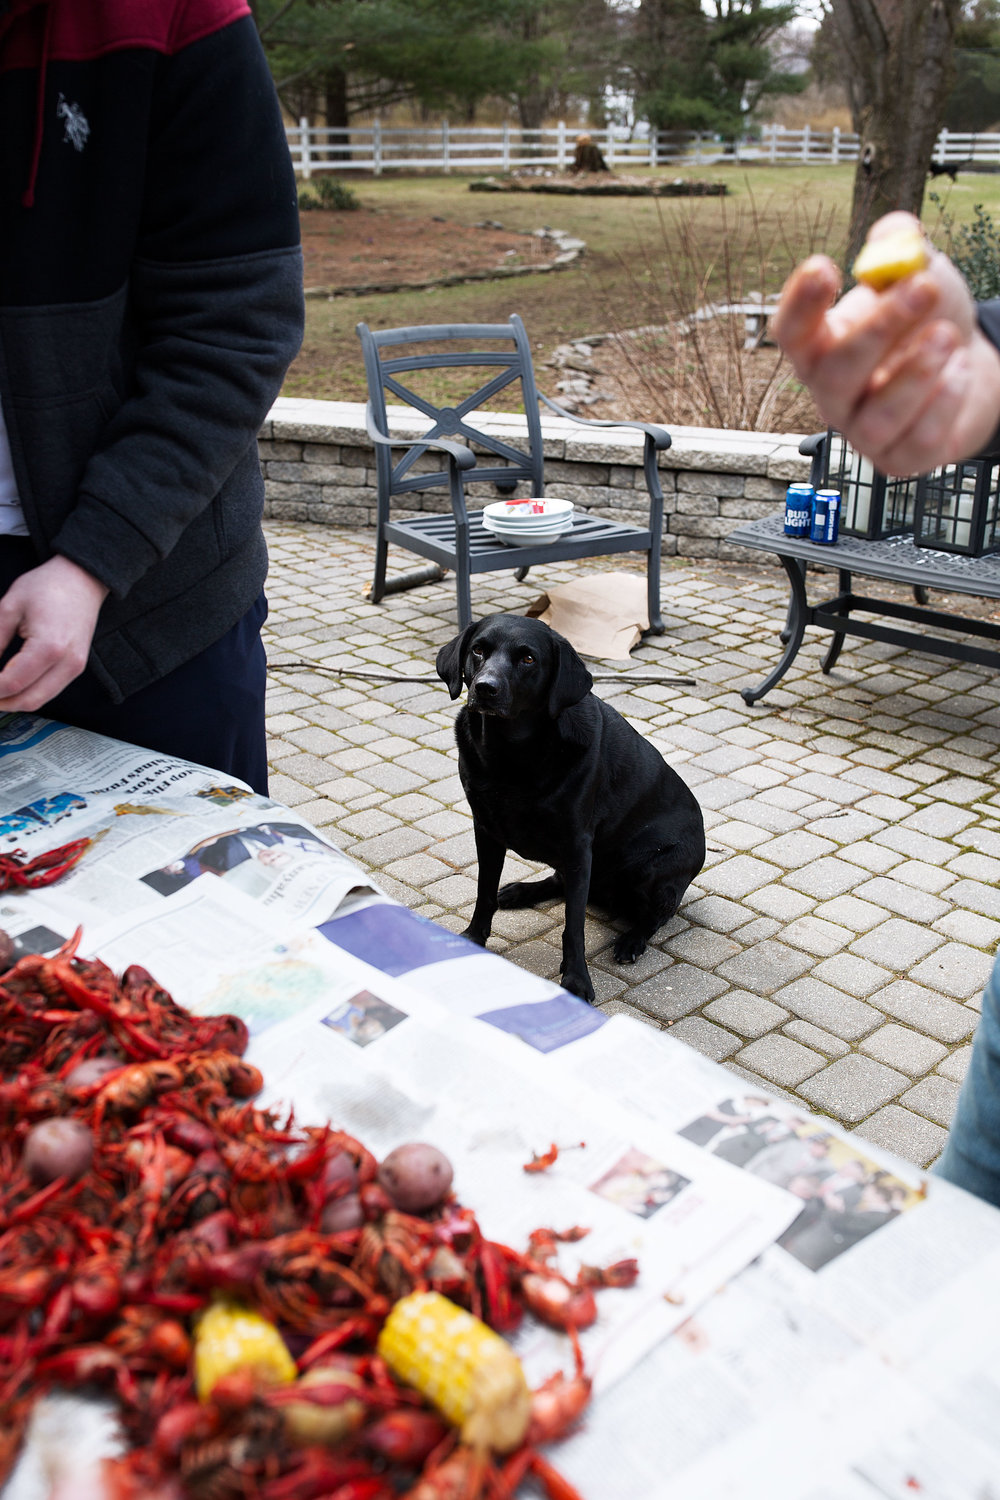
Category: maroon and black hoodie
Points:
column 150, row 302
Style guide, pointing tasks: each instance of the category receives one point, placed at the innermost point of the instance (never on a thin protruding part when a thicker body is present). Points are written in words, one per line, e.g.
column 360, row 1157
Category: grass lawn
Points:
column 647, row 260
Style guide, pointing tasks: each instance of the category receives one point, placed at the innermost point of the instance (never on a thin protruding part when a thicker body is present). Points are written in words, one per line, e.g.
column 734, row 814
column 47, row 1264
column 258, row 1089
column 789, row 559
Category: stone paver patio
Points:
column 834, row 948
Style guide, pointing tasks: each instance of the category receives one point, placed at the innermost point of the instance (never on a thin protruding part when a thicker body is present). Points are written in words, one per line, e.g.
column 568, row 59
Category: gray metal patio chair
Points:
column 458, row 541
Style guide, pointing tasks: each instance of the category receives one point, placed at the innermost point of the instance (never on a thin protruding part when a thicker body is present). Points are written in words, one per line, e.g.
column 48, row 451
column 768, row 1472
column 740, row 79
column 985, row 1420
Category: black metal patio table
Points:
column 895, row 559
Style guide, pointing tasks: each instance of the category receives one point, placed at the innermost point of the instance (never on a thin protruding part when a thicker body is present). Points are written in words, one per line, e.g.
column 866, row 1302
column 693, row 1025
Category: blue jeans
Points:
column 971, row 1157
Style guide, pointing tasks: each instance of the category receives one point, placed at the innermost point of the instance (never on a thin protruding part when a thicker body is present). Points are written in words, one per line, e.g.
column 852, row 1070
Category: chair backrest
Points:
column 506, row 348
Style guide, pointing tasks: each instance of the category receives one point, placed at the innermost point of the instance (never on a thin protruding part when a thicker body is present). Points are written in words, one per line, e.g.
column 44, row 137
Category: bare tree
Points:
column 898, row 67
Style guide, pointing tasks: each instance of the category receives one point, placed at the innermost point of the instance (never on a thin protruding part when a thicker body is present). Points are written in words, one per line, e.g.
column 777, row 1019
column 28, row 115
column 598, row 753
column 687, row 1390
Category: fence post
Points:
column 654, row 147
column 445, row 147
column 835, row 146
column 304, row 158
column 805, row 143
column 505, row 148
column 377, row 147
column 610, row 147
column 561, row 145
column 774, row 143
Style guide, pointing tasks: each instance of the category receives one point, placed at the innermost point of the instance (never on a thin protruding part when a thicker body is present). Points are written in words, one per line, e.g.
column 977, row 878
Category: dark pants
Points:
column 210, row 710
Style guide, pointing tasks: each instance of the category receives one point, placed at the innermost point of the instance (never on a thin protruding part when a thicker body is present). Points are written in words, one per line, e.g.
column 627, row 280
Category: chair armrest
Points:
column 463, row 457
column 656, row 440
column 813, row 447
column 660, row 436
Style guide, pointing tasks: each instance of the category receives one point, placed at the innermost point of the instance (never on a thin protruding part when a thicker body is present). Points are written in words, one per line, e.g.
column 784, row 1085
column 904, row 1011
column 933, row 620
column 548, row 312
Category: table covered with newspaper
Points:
column 813, row 1320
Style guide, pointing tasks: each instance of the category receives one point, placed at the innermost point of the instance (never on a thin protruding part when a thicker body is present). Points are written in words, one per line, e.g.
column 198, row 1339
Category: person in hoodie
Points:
column 150, row 303
column 911, row 376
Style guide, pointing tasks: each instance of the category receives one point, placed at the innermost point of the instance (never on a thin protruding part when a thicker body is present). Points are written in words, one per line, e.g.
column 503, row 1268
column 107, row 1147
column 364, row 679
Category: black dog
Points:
column 557, row 775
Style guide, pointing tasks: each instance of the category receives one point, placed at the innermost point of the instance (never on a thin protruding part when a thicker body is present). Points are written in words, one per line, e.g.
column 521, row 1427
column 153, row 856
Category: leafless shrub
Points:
column 676, row 352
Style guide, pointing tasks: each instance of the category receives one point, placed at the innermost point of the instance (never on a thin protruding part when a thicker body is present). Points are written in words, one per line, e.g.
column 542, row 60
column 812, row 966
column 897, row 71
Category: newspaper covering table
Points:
column 814, row 1319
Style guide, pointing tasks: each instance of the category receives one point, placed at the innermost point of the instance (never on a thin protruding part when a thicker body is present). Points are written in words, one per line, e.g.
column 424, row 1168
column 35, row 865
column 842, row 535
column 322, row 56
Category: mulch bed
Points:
column 367, row 250
column 599, row 184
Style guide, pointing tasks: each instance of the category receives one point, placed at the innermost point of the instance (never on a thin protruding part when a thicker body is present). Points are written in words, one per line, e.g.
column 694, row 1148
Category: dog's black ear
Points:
column 571, row 682
column 451, row 660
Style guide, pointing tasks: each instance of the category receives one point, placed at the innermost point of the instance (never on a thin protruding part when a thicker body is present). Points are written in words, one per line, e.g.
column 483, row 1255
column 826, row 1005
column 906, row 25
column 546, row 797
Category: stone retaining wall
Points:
column 319, row 466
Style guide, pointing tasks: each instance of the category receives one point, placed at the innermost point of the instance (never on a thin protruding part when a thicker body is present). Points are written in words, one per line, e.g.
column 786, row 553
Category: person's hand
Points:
column 905, row 374
column 54, row 609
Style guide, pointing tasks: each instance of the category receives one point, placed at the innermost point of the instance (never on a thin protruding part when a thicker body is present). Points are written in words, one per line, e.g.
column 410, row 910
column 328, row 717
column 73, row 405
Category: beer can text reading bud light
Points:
column 830, row 501
column 798, row 509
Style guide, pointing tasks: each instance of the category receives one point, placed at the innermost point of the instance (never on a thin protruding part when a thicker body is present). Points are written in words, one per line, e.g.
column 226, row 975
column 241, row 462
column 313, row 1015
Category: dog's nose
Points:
column 486, row 687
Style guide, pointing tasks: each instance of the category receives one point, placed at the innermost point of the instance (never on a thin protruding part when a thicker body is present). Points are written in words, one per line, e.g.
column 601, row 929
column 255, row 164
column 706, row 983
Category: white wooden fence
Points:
column 447, row 147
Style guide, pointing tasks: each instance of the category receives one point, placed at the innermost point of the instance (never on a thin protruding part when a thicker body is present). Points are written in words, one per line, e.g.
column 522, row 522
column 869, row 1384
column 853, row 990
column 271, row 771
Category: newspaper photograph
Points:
column 156, row 827
column 465, row 978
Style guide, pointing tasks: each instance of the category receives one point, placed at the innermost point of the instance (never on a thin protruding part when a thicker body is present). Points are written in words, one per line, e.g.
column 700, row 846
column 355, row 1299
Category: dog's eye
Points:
column 527, row 660
column 477, row 653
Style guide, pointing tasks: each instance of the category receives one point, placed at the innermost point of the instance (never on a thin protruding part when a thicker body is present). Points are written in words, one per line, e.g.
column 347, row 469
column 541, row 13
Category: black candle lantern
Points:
column 872, row 505
column 958, row 508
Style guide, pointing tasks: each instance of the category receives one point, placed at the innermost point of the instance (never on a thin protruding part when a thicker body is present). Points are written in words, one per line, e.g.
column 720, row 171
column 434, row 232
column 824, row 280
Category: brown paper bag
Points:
column 601, row 614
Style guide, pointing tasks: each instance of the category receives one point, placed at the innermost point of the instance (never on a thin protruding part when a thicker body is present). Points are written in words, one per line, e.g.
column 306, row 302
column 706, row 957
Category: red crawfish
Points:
column 17, row 870
column 540, row 1162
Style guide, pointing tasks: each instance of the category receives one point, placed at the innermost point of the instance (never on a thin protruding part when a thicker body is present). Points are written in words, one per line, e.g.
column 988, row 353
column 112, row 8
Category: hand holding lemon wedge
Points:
column 904, row 363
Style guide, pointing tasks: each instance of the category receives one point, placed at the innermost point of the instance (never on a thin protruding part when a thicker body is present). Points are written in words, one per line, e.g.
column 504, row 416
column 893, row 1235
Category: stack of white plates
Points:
column 528, row 523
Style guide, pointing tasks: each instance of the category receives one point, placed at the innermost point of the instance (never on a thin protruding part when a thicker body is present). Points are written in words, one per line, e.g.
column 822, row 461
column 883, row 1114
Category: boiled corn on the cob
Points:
column 469, row 1372
column 231, row 1337
column 890, row 258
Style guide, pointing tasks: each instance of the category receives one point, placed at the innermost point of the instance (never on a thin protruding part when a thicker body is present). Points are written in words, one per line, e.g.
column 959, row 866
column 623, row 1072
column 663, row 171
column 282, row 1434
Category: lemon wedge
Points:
column 890, row 258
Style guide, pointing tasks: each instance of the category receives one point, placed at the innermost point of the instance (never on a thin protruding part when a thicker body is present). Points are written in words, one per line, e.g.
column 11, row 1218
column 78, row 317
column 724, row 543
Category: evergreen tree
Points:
column 974, row 102
column 708, row 68
column 338, row 58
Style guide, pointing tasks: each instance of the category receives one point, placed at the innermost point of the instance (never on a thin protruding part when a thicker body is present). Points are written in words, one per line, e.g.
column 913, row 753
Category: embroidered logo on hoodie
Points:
column 77, row 125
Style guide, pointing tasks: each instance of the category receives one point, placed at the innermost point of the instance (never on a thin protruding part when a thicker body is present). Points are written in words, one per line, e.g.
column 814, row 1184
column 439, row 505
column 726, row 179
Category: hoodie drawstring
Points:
column 28, row 196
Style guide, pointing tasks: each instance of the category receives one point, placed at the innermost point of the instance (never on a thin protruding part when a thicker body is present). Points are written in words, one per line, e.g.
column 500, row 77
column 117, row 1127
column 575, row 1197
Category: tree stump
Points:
column 587, row 157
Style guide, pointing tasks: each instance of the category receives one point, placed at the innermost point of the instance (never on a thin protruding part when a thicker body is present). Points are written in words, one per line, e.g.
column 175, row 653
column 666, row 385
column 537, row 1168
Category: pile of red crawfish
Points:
column 138, row 1182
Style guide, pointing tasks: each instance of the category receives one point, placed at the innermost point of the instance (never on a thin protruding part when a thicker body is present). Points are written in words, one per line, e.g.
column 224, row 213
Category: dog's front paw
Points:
column 629, row 947
column 476, row 935
column 579, row 985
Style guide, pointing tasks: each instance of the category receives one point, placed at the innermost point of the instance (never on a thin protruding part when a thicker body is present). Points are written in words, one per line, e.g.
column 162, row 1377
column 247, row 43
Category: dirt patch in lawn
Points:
column 367, row 248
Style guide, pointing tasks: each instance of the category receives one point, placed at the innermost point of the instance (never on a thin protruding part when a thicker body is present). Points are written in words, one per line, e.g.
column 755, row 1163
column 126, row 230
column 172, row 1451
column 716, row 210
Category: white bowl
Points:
column 526, row 538
column 557, row 523
column 533, row 511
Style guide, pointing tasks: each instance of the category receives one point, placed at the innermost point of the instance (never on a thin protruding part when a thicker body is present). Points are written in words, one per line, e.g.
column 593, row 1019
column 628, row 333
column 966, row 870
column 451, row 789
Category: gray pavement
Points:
column 834, row 948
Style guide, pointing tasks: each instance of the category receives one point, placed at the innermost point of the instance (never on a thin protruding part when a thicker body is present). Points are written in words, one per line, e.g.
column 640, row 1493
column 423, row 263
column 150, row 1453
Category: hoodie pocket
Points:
column 70, row 349
column 52, row 440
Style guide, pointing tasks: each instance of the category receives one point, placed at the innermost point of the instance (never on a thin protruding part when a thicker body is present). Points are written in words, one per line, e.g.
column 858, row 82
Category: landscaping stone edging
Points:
column 318, row 465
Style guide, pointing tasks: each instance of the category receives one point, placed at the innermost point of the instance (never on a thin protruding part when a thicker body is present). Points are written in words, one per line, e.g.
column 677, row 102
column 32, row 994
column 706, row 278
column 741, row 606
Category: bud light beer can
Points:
column 832, row 498
column 798, row 509
column 820, row 510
